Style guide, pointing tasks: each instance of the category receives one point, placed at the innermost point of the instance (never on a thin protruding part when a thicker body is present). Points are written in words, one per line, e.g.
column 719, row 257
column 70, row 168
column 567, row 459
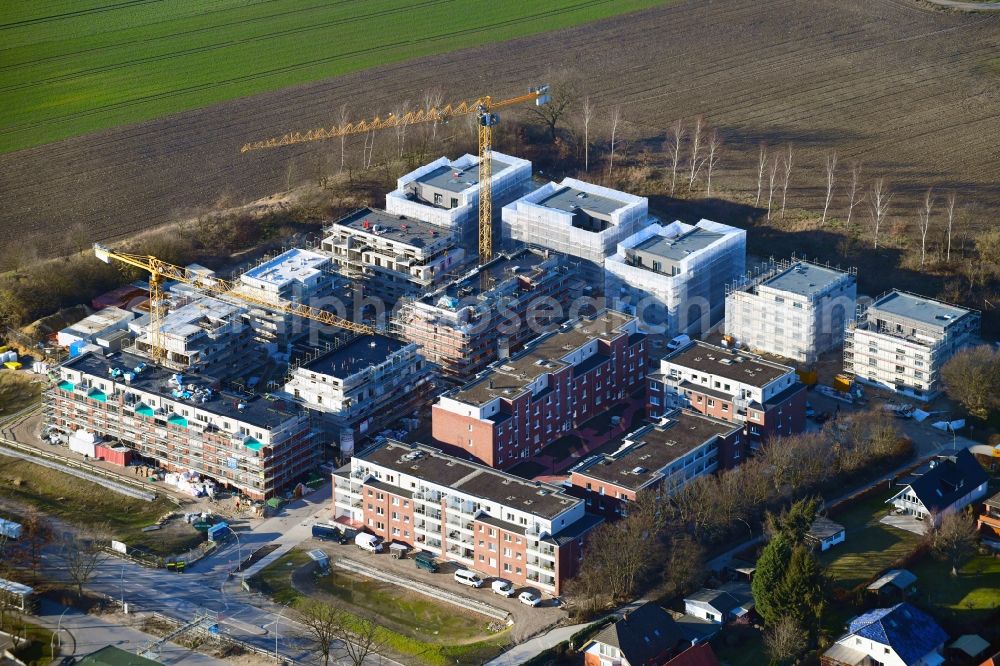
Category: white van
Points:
column 368, row 542
column 678, row 342
column 502, row 587
column 466, row 577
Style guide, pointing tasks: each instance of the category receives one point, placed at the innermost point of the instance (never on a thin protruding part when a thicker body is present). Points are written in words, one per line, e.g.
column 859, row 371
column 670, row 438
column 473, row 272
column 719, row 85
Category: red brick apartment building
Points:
column 494, row 523
column 766, row 397
column 520, row 405
column 682, row 446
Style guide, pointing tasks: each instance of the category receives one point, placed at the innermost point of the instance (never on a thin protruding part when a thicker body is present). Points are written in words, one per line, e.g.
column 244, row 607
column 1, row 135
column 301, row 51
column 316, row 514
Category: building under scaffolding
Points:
column 464, row 326
column 794, row 309
column 673, row 278
column 576, row 219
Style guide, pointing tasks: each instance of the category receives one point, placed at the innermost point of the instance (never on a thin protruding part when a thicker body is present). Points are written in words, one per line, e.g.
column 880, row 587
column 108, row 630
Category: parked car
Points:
column 466, row 577
column 368, row 542
column 529, row 599
column 678, row 342
column 426, row 561
column 503, row 587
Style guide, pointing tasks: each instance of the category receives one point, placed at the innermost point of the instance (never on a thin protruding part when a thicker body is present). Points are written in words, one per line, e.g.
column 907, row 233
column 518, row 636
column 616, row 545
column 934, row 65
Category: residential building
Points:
column 682, row 446
column 255, row 445
column 446, row 192
column 494, row 523
column 294, row 276
column 953, row 481
column 989, row 518
column 92, row 327
column 206, row 335
column 825, row 534
column 901, row 341
column 361, row 385
column 719, row 606
column 646, row 636
column 674, row 277
column 902, row 635
column 797, row 310
column 520, row 405
column 576, row 219
column 393, row 255
column 765, row 397
column 475, row 319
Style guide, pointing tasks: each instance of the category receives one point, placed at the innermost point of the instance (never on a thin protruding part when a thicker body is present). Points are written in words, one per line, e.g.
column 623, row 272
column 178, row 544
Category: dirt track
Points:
column 906, row 89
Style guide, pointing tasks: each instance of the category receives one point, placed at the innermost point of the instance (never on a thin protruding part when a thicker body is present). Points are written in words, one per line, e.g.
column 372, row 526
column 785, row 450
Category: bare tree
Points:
column 924, row 221
column 697, row 136
column 788, row 177
column 400, row 128
column 361, row 638
column 433, row 98
column 324, row 624
column 831, row 174
column 616, row 114
column 674, row 148
column 80, row 555
column 878, row 206
column 950, row 206
column 588, row 115
column 36, row 534
column 852, row 191
column 562, row 96
column 714, row 144
column 761, row 168
column 344, row 117
column 772, row 182
column 785, row 640
column 955, row 538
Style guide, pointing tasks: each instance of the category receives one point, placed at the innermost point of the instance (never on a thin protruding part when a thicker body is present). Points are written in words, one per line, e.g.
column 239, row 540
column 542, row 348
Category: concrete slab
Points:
column 906, row 522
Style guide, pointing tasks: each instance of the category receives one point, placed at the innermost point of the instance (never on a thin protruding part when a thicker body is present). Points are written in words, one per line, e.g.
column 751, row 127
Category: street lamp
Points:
column 276, row 621
column 58, row 630
column 239, row 553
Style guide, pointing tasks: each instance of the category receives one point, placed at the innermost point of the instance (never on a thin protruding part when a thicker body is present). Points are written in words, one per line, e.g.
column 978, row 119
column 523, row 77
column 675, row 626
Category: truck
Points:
column 328, row 533
column 368, row 542
column 10, row 529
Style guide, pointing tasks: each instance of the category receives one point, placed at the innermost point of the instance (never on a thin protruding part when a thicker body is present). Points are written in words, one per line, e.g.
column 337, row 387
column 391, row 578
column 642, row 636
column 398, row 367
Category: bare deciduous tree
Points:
column 924, row 222
column 852, row 192
column 616, row 114
column 674, row 150
column 697, row 136
column 878, row 206
column 761, row 168
column 344, row 117
column 831, row 175
column 81, row 554
column 955, row 538
column 588, row 115
column 714, row 144
column 772, row 182
column 788, row 176
column 324, row 624
column 785, row 640
column 400, row 128
column 433, row 98
column 563, row 95
column 360, row 639
column 950, row 205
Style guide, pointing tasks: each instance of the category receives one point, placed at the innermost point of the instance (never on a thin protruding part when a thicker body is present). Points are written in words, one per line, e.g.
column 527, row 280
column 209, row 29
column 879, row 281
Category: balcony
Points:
column 540, row 565
column 430, row 514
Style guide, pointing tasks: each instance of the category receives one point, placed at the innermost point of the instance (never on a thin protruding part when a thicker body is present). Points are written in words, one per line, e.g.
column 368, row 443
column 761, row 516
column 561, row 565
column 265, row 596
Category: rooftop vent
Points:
column 639, row 470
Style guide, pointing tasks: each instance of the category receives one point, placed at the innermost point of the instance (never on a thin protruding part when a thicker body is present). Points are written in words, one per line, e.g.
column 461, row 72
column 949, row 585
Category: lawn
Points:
column 74, row 66
column 966, row 598
column 412, row 624
column 84, row 503
column 37, row 650
column 870, row 547
column 18, row 389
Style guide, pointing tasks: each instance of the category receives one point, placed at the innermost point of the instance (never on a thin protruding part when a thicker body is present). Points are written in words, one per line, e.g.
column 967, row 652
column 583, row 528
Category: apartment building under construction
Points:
column 484, row 315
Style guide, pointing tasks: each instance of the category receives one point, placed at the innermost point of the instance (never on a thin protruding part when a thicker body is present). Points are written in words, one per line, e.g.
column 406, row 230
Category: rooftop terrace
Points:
column 396, row 228
column 731, row 364
column 501, row 268
column 805, row 279
column 646, row 452
column 432, row 466
column 155, row 379
column 360, row 353
column 200, row 316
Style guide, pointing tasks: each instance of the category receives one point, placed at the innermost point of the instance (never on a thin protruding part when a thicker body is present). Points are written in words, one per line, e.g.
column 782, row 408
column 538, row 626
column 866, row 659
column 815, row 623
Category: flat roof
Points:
column 398, row 228
column 454, row 179
column 204, row 314
column 100, row 320
column 295, row 264
column 522, row 263
column 731, row 364
column 918, row 308
column 655, row 447
column 508, row 378
column 361, row 352
column 570, row 199
column 680, row 247
column 805, row 279
column 155, row 379
column 480, row 481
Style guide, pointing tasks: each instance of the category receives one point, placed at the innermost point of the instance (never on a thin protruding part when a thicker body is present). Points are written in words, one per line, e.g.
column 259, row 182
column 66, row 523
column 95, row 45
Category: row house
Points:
column 765, row 397
column 494, row 523
column 254, row 445
column 521, row 404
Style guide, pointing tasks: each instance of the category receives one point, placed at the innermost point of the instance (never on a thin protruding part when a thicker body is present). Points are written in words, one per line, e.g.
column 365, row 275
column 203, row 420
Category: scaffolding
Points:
column 689, row 301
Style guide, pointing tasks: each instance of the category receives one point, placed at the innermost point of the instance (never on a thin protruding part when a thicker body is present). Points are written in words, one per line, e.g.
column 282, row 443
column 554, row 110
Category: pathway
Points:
column 967, row 6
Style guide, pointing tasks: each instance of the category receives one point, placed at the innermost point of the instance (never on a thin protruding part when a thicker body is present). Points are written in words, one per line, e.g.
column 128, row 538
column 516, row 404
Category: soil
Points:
column 909, row 90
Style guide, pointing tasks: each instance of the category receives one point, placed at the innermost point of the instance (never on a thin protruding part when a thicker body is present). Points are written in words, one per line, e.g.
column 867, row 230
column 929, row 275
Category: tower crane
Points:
column 484, row 108
column 161, row 271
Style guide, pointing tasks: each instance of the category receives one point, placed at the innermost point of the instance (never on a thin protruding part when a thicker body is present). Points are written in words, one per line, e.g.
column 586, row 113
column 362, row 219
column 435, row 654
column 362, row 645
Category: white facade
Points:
column 797, row 310
column 670, row 287
column 901, row 341
column 96, row 325
column 858, row 647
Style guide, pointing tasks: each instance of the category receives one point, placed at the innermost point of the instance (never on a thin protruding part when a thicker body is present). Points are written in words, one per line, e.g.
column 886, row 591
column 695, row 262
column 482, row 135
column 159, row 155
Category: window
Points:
column 711, row 403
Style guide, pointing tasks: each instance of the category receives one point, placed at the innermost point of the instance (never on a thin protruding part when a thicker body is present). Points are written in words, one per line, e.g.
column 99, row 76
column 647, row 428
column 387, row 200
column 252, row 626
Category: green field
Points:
column 73, row 66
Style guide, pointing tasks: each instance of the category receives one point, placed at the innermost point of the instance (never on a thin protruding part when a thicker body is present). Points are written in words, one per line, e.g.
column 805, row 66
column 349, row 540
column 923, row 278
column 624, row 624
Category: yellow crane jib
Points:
column 484, row 109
